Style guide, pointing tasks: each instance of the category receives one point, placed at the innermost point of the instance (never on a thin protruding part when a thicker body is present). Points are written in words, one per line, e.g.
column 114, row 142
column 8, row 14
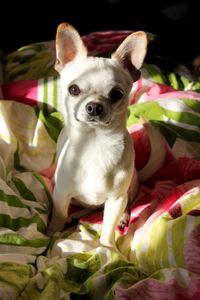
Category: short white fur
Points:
column 95, row 152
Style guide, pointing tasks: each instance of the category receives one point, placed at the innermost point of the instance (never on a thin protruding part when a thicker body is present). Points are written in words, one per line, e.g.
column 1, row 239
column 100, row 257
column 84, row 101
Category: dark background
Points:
column 176, row 23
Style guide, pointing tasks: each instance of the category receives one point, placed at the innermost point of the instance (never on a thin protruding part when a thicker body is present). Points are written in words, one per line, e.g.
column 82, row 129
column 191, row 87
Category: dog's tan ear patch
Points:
column 131, row 52
column 69, row 45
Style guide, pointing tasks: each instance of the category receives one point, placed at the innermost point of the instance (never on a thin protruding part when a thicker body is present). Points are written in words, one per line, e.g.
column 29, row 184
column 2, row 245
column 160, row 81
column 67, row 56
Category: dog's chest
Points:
column 90, row 168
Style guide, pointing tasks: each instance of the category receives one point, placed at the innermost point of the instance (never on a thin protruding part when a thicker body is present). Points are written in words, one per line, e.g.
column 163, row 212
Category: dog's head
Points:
column 96, row 89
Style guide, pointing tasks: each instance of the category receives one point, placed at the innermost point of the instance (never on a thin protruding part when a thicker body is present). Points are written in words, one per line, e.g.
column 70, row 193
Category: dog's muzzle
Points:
column 94, row 109
column 94, row 113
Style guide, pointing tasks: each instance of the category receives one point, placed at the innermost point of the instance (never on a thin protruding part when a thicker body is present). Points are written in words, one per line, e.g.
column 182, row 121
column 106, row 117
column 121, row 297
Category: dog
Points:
column 95, row 151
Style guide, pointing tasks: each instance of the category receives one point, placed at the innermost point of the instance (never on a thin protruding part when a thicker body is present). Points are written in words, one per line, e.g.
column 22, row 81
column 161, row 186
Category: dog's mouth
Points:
column 99, row 122
column 94, row 121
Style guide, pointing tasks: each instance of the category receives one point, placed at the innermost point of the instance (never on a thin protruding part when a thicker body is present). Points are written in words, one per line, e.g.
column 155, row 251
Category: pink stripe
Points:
column 149, row 90
column 139, row 84
column 135, row 94
column 24, row 91
column 150, row 95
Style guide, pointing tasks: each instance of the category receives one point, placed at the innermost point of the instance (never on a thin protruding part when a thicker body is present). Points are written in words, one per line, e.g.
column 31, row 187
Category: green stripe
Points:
column 167, row 131
column 192, row 104
column 154, row 112
column 190, row 202
column 196, row 86
column 185, row 81
column 17, row 164
column 52, row 122
column 16, row 275
column 155, row 73
column 41, row 211
column 81, row 266
column 45, row 96
column 171, row 132
column 4, row 169
column 11, row 200
column 55, row 92
column 175, row 81
column 177, row 229
column 54, row 159
column 148, row 110
column 23, row 190
column 18, row 240
column 186, row 134
column 15, row 224
column 183, row 117
column 42, row 182
column 159, row 245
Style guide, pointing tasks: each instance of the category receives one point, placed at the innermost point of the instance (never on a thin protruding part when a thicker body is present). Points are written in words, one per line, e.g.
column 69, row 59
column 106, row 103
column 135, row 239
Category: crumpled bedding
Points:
column 160, row 250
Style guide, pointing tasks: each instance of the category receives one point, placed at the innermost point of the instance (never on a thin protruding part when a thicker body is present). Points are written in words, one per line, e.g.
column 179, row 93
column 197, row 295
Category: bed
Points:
column 160, row 249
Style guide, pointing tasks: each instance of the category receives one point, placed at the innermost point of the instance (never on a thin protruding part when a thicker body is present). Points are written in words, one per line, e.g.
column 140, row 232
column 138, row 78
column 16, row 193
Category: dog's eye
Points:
column 116, row 94
column 74, row 90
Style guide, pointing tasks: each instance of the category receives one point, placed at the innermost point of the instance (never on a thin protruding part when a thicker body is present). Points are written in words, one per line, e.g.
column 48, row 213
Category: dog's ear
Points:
column 69, row 45
column 131, row 53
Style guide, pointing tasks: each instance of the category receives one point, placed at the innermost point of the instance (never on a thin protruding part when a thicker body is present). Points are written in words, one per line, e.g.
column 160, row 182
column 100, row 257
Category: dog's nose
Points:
column 94, row 109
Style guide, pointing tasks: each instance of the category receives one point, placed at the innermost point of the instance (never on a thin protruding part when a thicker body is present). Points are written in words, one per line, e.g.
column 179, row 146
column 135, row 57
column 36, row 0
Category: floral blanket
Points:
column 160, row 249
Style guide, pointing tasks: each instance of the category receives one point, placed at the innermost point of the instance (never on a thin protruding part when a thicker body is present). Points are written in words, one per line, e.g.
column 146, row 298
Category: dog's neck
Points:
column 95, row 142
column 81, row 137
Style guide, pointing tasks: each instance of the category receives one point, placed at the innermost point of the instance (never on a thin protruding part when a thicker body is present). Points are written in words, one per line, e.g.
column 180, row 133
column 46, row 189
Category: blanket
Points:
column 159, row 252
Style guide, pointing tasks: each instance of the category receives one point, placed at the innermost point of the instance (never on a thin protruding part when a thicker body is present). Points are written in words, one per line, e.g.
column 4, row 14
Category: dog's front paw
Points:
column 124, row 221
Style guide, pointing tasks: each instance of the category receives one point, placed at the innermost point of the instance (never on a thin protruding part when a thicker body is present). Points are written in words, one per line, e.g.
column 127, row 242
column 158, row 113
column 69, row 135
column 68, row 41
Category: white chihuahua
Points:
column 96, row 156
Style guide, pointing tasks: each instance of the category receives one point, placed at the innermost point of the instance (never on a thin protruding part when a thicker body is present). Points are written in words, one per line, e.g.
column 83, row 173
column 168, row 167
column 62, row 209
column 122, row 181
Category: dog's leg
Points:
column 132, row 192
column 113, row 211
column 125, row 219
column 59, row 212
